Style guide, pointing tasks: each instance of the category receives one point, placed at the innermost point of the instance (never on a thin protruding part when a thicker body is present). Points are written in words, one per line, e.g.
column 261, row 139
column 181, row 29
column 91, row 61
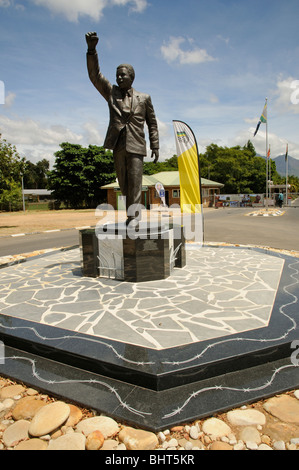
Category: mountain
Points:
column 281, row 165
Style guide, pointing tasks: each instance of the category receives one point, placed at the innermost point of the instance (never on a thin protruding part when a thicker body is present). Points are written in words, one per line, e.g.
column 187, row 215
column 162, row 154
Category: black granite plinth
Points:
column 148, row 252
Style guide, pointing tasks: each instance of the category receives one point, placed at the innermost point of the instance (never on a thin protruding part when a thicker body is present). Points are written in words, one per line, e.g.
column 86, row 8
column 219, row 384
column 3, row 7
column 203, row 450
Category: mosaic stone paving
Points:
column 220, row 292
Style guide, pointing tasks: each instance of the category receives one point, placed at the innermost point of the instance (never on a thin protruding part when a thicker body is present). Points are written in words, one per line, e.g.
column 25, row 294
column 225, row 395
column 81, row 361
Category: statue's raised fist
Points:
column 92, row 40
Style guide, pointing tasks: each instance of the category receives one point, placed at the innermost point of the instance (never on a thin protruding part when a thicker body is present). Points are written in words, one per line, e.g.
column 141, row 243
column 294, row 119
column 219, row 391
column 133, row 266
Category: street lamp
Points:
column 23, row 196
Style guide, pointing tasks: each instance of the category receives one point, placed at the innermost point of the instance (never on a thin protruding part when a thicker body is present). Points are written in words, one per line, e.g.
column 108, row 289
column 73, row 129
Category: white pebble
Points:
column 7, row 422
column 295, row 440
column 239, row 446
column 251, row 445
column 194, row 432
column 8, row 403
column 173, row 443
column 161, row 436
column 279, row 445
column 264, row 447
column 296, row 393
column 47, row 437
column 121, row 447
column 188, row 446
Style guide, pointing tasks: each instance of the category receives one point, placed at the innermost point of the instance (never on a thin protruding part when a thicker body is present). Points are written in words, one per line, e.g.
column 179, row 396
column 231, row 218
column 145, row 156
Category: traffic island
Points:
column 217, row 333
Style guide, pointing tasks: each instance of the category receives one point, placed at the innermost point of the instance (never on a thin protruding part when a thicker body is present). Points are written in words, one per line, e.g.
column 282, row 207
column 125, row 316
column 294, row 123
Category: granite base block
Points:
column 147, row 254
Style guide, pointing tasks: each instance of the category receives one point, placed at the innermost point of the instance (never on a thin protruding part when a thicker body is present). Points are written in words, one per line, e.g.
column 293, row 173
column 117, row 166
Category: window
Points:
column 175, row 193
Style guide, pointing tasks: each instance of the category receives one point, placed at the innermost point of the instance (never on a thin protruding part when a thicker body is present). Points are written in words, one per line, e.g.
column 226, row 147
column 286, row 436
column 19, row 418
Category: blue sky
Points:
column 210, row 63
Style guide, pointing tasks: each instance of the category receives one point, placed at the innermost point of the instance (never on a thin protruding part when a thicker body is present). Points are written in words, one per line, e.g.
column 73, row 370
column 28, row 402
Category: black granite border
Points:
column 146, row 408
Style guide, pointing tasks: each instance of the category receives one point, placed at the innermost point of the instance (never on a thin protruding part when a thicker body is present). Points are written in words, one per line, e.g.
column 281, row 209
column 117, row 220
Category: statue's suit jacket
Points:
column 141, row 111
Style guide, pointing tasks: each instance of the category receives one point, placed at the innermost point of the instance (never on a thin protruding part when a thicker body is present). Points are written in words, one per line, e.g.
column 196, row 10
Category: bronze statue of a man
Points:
column 129, row 110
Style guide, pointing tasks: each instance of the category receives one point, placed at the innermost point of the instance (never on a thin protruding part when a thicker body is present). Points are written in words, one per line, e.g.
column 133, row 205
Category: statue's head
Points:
column 125, row 75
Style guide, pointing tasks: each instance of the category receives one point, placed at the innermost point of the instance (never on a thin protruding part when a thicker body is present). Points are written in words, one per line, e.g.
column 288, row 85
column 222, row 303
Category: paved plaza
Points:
column 220, row 292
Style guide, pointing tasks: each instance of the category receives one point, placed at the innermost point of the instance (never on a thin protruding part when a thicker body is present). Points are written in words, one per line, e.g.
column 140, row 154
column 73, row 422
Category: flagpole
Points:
column 267, row 162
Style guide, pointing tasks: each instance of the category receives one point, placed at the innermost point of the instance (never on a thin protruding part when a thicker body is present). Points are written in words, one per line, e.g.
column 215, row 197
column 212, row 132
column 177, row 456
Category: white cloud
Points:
column 173, row 52
column 277, row 144
column 137, row 5
column 34, row 140
column 9, row 99
column 74, row 9
column 286, row 96
column 224, row 39
column 30, row 132
column 92, row 134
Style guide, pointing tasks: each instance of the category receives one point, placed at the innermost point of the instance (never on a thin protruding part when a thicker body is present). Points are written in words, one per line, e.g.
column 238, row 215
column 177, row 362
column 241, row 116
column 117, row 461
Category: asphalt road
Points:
column 221, row 225
column 41, row 241
column 233, row 226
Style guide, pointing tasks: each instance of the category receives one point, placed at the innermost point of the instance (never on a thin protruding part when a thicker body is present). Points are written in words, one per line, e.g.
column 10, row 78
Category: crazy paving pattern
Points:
column 220, row 292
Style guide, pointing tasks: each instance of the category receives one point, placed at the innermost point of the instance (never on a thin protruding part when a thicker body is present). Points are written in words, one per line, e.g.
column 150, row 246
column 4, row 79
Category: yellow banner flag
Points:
column 189, row 171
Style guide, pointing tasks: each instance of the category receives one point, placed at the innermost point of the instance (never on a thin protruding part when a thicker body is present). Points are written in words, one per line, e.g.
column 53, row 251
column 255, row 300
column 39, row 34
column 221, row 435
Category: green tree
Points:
column 170, row 164
column 11, row 199
column 11, row 170
column 238, row 168
column 11, row 164
column 79, row 173
column 36, row 175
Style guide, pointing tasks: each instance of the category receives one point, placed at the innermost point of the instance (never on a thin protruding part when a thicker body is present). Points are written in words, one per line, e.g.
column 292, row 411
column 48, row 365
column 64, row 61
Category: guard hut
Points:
column 275, row 190
column 171, row 183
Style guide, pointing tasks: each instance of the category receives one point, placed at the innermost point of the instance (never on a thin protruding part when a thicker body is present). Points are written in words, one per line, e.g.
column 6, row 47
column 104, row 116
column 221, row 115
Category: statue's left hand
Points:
column 155, row 155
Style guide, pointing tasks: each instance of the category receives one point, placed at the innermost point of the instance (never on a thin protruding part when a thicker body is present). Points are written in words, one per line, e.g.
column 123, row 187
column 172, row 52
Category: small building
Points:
column 171, row 183
column 37, row 194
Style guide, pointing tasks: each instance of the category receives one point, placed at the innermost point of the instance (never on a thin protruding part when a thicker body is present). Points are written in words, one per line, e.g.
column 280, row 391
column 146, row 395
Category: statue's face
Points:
column 123, row 79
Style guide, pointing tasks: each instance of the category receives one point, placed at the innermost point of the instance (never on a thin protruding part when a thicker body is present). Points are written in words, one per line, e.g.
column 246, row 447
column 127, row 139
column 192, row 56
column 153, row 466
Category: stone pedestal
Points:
column 147, row 253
